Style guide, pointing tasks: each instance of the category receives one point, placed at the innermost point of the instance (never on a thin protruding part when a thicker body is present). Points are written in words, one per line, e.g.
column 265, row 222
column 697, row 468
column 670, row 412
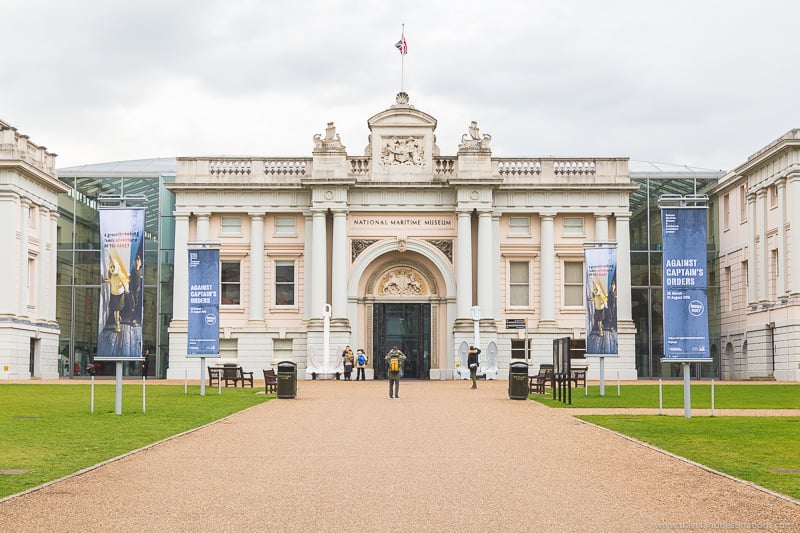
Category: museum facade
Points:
column 399, row 246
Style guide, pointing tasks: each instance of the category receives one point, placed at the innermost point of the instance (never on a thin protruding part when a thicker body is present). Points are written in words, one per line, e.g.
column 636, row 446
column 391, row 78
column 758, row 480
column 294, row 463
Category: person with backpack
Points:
column 361, row 364
column 472, row 363
column 395, row 359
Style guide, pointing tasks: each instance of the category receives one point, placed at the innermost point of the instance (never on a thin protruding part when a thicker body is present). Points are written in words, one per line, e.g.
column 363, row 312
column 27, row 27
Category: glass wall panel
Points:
column 64, row 268
column 87, row 268
column 641, row 319
column 640, row 269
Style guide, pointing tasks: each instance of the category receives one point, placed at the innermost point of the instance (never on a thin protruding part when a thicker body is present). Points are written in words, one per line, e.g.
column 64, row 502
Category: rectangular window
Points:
column 230, row 282
column 745, row 283
column 774, row 273
column 728, row 292
column 285, row 226
column 742, row 203
column 228, row 349
column 284, row 282
column 573, row 283
column 726, row 211
column 519, row 227
column 282, row 349
column 31, row 282
column 573, row 226
column 231, row 226
column 773, row 196
column 518, row 349
column 518, row 284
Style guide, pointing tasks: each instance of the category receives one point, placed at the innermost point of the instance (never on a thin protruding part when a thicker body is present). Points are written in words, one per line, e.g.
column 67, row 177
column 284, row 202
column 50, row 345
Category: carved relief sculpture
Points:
column 403, row 151
column 402, row 282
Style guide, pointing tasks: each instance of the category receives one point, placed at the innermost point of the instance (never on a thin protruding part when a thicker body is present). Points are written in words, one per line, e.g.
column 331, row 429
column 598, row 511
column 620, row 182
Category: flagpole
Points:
column 402, row 58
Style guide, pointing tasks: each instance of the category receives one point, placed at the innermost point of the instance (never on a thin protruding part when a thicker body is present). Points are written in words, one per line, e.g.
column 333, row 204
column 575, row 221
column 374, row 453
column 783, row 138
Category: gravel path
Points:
column 344, row 457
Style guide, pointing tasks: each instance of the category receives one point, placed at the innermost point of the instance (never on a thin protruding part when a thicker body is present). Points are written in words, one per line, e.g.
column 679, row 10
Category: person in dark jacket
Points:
column 472, row 363
column 394, row 375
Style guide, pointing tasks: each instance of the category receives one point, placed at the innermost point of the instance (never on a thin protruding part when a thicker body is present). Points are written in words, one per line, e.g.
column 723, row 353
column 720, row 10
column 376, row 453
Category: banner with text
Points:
column 685, row 289
column 119, row 332
column 601, row 301
column 203, row 303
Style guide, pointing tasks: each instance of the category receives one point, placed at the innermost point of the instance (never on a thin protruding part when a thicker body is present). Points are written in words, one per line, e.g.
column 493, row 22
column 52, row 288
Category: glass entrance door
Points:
column 407, row 326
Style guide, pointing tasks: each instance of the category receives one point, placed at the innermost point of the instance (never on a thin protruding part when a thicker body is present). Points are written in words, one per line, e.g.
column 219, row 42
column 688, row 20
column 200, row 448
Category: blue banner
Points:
column 685, row 286
column 203, row 303
column 119, row 332
column 601, row 301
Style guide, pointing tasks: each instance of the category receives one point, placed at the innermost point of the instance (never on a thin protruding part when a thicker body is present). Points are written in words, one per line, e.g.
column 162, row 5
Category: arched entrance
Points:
column 407, row 326
column 402, row 311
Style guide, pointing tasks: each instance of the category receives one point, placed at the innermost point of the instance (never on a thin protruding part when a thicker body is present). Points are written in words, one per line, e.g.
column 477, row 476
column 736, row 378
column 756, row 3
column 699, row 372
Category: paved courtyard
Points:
column 342, row 456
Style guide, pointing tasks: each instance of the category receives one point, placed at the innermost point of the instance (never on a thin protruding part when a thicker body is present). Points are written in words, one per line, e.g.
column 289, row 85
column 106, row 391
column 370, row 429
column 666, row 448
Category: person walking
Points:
column 395, row 359
column 361, row 363
column 472, row 363
column 348, row 357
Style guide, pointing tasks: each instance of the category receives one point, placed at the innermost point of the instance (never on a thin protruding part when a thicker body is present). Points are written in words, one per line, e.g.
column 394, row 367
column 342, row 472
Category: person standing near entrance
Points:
column 395, row 359
column 347, row 356
column 361, row 364
column 472, row 363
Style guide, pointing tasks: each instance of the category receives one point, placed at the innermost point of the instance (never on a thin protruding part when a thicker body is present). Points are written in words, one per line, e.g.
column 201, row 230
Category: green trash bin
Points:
column 518, row 380
column 287, row 379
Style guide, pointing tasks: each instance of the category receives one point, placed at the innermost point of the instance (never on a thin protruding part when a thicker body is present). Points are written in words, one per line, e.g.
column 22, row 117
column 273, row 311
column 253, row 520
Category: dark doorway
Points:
column 407, row 326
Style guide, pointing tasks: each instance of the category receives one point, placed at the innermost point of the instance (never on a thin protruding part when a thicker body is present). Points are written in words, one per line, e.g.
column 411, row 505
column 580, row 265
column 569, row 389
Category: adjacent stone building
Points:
column 759, row 211
column 29, row 193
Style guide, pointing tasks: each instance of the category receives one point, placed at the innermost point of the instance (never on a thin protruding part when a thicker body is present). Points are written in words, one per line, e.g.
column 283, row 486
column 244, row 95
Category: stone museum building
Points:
column 402, row 243
column 396, row 244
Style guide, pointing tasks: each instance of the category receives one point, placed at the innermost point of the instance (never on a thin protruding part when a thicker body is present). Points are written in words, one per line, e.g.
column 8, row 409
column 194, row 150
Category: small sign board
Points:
column 515, row 323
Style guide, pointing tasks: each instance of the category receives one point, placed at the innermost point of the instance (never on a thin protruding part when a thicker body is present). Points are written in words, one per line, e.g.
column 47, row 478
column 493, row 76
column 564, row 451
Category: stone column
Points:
column 46, row 249
column 256, row 298
column 781, row 287
column 202, row 226
column 547, row 288
column 486, row 278
column 763, row 248
column 22, row 265
column 53, row 259
column 496, row 265
column 464, row 265
column 624, row 310
column 752, row 296
column 601, row 227
column 307, row 253
column 339, row 263
column 793, row 200
column 319, row 263
column 180, row 296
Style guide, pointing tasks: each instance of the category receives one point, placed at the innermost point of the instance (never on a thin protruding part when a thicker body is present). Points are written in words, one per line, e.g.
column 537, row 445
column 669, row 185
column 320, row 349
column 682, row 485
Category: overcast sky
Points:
column 700, row 83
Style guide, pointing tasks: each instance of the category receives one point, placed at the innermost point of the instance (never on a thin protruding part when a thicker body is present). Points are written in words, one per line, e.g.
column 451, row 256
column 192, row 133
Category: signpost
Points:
column 119, row 332
column 683, row 229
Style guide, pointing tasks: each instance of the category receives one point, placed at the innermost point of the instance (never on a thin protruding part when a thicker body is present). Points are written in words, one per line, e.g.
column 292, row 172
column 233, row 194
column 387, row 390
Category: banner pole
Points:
column 687, row 394
column 118, row 395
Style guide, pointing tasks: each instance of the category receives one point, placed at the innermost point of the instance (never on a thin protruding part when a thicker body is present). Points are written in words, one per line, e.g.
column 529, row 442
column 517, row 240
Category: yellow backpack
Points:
column 394, row 364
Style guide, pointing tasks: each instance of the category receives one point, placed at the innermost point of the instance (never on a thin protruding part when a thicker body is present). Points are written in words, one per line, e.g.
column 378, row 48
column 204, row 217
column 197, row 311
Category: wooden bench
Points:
column 270, row 381
column 235, row 375
column 214, row 375
column 540, row 381
column 577, row 374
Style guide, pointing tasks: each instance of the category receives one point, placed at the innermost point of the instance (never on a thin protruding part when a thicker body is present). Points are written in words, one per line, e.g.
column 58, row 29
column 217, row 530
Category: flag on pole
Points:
column 402, row 45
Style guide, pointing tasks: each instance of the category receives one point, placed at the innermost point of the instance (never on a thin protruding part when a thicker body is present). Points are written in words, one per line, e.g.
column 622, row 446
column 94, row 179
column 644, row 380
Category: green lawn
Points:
column 726, row 396
column 763, row 450
column 50, row 431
